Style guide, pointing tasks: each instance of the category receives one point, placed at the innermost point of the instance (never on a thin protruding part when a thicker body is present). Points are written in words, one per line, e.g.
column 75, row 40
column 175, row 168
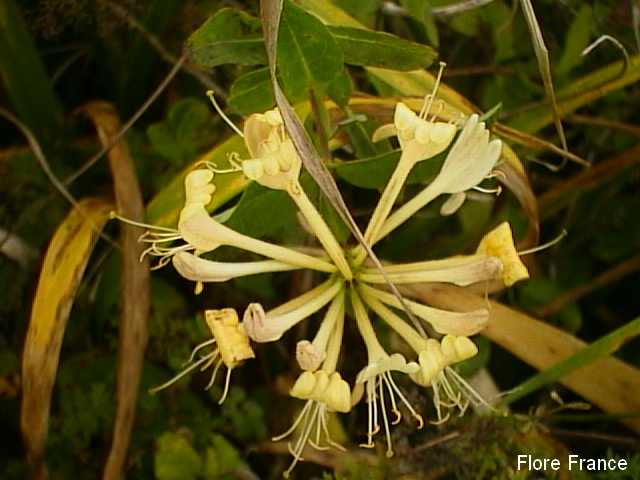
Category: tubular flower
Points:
column 468, row 163
column 420, row 139
column 376, row 378
column 232, row 349
column 324, row 390
column 434, row 359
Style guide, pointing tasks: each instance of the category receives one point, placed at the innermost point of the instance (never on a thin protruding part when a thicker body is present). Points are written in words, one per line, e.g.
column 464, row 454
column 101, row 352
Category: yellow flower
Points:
column 498, row 243
column 233, row 348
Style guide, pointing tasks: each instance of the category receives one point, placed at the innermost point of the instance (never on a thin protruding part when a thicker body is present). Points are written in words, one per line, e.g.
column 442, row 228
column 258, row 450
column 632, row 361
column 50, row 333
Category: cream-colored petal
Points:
column 199, row 269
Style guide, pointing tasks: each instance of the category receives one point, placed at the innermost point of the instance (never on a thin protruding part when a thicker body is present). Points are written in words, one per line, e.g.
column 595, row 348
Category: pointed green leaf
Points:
column 308, row 55
column 230, row 36
column 380, row 49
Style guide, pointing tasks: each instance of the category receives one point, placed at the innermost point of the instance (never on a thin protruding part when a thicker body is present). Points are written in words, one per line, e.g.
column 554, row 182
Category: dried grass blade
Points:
column 135, row 284
column 602, row 380
column 542, row 54
column 62, row 270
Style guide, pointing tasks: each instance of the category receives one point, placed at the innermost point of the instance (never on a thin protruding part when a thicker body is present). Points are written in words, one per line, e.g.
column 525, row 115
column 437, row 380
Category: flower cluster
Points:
column 351, row 285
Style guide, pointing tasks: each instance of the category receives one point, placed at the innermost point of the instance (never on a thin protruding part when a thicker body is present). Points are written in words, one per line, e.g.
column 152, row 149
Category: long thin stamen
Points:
column 214, row 375
column 115, row 215
column 222, row 114
column 424, row 112
column 297, row 421
column 404, row 400
column 546, row 245
column 197, row 349
column 227, row 381
column 385, row 421
column 183, row 373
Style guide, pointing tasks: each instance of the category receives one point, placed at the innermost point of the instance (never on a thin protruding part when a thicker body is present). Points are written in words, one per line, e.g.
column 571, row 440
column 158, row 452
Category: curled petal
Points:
column 498, row 243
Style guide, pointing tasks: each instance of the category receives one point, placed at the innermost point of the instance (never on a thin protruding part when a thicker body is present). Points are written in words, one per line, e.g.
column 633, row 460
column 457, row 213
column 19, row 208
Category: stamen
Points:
column 226, row 387
column 544, row 246
column 293, row 427
column 183, row 373
column 214, row 168
column 386, row 422
column 406, row 403
column 214, row 375
column 424, row 112
column 394, row 406
column 302, row 440
column 115, row 215
column 197, row 348
column 222, row 114
column 497, row 190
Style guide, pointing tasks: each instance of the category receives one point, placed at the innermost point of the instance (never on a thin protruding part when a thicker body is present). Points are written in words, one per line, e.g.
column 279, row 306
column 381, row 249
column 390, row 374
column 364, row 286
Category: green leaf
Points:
column 375, row 172
column 251, row 92
column 184, row 132
column 164, row 208
column 380, row 49
column 340, row 89
column 230, row 36
column 308, row 55
column 262, row 211
column 24, row 77
column 221, row 458
column 176, row 459
column 577, row 40
column 601, row 348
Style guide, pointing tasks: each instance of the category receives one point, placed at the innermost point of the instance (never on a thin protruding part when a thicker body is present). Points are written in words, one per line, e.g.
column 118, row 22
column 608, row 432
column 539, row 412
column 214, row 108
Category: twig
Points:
column 134, row 118
column 603, row 437
column 393, row 9
column 613, row 274
column 604, row 122
column 165, row 54
column 437, row 441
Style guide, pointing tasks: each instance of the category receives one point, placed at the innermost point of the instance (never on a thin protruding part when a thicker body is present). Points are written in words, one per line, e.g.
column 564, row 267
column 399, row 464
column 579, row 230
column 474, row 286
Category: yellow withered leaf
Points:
column 62, row 270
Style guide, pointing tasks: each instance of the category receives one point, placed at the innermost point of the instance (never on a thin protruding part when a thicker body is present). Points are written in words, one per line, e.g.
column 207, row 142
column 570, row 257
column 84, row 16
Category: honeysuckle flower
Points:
column 324, row 390
column 377, row 379
column 465, row 272
column 205, row 234
column 232, row 348
column 434, row 358
column 275, row 164
column 268, row 327
column 468, row 163
column 420, row 139
column 442, row 321
column 499, row 243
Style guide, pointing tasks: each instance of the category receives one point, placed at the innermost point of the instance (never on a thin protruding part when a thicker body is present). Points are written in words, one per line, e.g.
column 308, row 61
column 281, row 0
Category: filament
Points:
column 222, row 114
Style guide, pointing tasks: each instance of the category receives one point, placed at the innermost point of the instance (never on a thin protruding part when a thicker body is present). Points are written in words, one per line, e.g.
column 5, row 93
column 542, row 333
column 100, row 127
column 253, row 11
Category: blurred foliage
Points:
column 57, row 55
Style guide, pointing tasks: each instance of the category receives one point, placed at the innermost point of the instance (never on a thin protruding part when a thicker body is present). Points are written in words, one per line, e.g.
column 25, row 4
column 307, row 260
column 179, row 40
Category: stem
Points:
column 321, row 230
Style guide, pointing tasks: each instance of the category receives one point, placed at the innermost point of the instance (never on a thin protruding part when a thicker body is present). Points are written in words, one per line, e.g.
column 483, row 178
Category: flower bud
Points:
column 309, row 358
column 337, row 396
